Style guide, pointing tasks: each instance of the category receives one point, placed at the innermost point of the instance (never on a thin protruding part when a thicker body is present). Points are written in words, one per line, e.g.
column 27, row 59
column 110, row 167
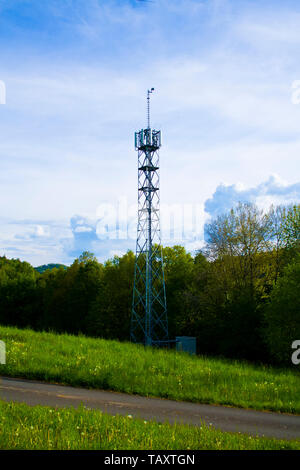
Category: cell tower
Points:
column 149, row 322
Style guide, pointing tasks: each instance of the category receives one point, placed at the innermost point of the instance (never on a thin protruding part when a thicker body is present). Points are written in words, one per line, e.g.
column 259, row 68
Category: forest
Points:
column 239, row 295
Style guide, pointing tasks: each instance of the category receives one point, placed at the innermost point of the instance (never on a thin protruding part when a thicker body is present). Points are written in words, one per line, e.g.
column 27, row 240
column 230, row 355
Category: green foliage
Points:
column 45, row 428
column 248, row 252
column 18, row 295
column 67, row 295
column 178, row 268
column 110, row 310
column 283, row 314
column 238, row 239
column 291, row 227
column 87, row 257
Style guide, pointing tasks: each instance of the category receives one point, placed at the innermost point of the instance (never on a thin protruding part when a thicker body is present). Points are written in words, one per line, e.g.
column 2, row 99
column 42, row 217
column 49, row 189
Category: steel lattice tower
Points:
column 149, row 322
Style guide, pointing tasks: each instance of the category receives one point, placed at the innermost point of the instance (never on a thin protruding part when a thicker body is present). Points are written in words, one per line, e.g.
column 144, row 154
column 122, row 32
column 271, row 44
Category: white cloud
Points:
column 273, row 191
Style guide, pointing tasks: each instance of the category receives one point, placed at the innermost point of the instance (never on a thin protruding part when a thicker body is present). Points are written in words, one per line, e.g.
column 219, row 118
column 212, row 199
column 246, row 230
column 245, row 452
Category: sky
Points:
column 73, row 81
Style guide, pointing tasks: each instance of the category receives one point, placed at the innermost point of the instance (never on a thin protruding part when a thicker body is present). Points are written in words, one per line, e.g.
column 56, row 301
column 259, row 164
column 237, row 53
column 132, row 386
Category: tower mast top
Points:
column 148, row 107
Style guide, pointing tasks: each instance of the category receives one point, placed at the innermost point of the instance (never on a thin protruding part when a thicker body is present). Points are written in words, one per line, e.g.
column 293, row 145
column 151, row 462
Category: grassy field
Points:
column 39, row 427
column 124, row 367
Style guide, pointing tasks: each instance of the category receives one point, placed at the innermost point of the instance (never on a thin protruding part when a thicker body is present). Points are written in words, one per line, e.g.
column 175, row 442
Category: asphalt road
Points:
column 277, row 425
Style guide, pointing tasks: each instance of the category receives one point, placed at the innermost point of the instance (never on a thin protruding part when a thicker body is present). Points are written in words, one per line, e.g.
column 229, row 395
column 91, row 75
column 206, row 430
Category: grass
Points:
column 45, row 428
column 124, row 367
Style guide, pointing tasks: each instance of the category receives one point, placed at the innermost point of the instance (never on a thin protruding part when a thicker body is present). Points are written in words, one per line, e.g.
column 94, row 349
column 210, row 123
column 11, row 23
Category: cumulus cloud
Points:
column 273, row 191
column 34, row 240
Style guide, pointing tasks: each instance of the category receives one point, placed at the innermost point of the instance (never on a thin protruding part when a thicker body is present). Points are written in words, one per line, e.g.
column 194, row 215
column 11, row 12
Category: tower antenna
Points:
column 149, row 322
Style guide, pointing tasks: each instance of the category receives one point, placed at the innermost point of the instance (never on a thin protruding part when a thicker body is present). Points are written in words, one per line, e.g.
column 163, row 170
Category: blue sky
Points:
column 76, row 75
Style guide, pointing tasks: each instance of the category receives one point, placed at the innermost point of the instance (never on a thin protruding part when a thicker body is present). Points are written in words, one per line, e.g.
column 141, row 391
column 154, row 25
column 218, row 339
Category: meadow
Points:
column 124, row 367
column 46, row 428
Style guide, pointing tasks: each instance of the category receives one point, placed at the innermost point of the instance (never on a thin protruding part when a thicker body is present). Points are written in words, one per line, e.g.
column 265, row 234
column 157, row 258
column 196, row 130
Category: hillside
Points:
column 44, row 267
column 125, row 367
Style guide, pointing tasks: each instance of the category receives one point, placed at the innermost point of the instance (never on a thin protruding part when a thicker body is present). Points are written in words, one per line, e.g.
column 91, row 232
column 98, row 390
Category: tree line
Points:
column 239, row 295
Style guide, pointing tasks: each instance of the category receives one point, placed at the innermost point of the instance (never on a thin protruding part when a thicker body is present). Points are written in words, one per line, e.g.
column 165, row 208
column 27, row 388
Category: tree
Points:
column 277, row 216
column 240, row 247
column 238, row 239
column 87, row 257
column 291, row 227
column 178, row 269
column 110, row 312
column 18, row 293
column 282, row 315
column 68, row 294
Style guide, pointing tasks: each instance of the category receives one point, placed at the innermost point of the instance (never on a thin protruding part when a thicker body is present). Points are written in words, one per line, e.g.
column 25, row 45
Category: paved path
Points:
column 281, row 426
